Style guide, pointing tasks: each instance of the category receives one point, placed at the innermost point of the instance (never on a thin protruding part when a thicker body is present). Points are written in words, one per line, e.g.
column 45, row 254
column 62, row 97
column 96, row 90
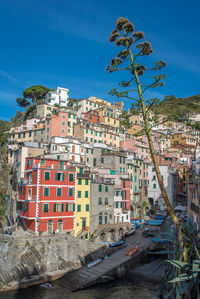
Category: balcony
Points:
column 85, row 175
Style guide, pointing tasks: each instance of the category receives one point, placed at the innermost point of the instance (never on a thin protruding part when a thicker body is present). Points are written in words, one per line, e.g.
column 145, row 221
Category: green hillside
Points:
column 177, row 108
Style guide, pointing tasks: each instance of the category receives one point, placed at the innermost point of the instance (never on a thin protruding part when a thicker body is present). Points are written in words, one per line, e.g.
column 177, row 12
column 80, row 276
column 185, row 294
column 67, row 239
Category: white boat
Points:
column 94, row 263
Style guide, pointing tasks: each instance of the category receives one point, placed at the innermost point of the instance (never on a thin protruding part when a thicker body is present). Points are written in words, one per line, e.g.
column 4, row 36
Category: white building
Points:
column 168, row 174
column 59, row 97
column 69, row 146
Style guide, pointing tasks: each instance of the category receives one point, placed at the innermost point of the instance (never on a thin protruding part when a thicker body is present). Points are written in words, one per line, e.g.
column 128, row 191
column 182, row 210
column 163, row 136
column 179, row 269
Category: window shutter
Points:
column 54, row 207
column 67, row 207
column 73, row 207
column 56, row 176
column 62, row 207
column 63, row 176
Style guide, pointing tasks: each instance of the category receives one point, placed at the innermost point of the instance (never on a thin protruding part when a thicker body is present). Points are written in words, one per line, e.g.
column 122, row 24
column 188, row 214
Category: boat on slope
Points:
column 130, row 232
column 116, row 244
column 132, row 251
column 94, row 263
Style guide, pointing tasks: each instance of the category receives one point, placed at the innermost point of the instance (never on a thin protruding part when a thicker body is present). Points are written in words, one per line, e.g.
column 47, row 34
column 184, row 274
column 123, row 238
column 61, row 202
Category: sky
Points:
column 65, row 43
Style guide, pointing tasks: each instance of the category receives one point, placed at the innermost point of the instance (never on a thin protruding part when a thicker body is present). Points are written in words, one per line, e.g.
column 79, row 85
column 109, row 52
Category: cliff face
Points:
column 23, row 257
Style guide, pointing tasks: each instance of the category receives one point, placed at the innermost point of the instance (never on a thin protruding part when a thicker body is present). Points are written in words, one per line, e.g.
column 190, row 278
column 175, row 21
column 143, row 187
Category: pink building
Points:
column 57, row 125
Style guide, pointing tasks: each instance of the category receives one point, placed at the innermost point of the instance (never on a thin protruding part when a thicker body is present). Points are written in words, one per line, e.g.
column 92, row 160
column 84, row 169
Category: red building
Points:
column 92, row 116
column 47, row 195
column 126, row 198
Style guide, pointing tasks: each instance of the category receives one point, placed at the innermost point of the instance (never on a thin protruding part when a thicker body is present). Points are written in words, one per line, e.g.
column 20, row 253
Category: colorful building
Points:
column 60, row 124
column 47, row 196
column 83, row 203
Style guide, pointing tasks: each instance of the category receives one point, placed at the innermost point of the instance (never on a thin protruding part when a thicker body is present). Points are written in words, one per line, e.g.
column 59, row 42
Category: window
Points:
column 102, row 160
column 116, row 204
column 58, row 207
column 42, row 162
column 106, row 188
column 79, row 194
column 69, row 115
column 71, row 177
column 70, row 192
column 46, row 191
column 78, row 208
column 47, row 129
column 120, row 160
column 123, row 160
column 28, row 163
column 100, row 201
column 154, row 178
column 30, row 178
column 29, row 134
column 100, row 188
column 86, row 182
column 87, row 208
column 79, row 182
column 47, row 176
column 80, row 170
column 67, row 207
column 60, row 176
column 106, row 201
column 100, row 218
column 154, row 186
column 94, row 162
column 86, row 194
column 45, row 207
column 59, row 192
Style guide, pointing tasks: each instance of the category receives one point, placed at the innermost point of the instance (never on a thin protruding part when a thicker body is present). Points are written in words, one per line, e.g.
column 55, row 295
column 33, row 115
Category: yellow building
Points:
column 82, row 213
column 108, row 116
column 94, row 133
column 44, row 110
column 180, row 138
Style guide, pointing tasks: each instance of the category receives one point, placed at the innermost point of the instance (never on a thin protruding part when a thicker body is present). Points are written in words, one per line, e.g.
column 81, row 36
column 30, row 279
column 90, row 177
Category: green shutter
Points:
column 86, row 194
column 86, row 182
column 56, row 176
column 54, row 207
column 45, row 207
column 63, row 176
column 71, row 177
column 79, row 194
column 46, row 191
column 100, row 188
column 73, row 207
column 87, row 208
column 70, row 192
column 59, row 192
column 62, row 207
column 67, row 207
column 79, row 182
column 78, row 208
column 46, row 176
column 106, row 188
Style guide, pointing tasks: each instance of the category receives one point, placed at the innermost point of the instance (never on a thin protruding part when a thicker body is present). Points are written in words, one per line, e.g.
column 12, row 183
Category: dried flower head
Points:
column 138, row 35
column 115, row 61
column 129, row 27
column 124, row 41
column 109, row 69
column 121, row 22
column 145, row 48
column 123, row 54
column 160, row 64
column 114, row 36
column 140, row 69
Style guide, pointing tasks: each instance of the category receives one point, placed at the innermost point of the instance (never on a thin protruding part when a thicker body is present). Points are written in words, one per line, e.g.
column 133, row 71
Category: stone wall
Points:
column 22, row 257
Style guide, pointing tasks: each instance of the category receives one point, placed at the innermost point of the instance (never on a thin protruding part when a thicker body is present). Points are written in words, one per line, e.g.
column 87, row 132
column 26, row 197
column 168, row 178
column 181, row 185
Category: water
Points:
column 121, row 288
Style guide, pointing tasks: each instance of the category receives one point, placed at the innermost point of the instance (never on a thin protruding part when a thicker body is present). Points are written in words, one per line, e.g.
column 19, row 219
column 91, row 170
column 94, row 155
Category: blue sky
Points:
column 65, row 43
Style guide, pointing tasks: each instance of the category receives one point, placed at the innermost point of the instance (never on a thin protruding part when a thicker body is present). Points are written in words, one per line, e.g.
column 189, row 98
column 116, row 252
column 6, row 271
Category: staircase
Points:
column 21, row 223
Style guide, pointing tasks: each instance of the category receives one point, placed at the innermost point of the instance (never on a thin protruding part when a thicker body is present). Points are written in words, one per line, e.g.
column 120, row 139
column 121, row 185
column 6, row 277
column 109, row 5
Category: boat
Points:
column 94, row 263
column 130, row 232
column 132, row 251
column 116, row 244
